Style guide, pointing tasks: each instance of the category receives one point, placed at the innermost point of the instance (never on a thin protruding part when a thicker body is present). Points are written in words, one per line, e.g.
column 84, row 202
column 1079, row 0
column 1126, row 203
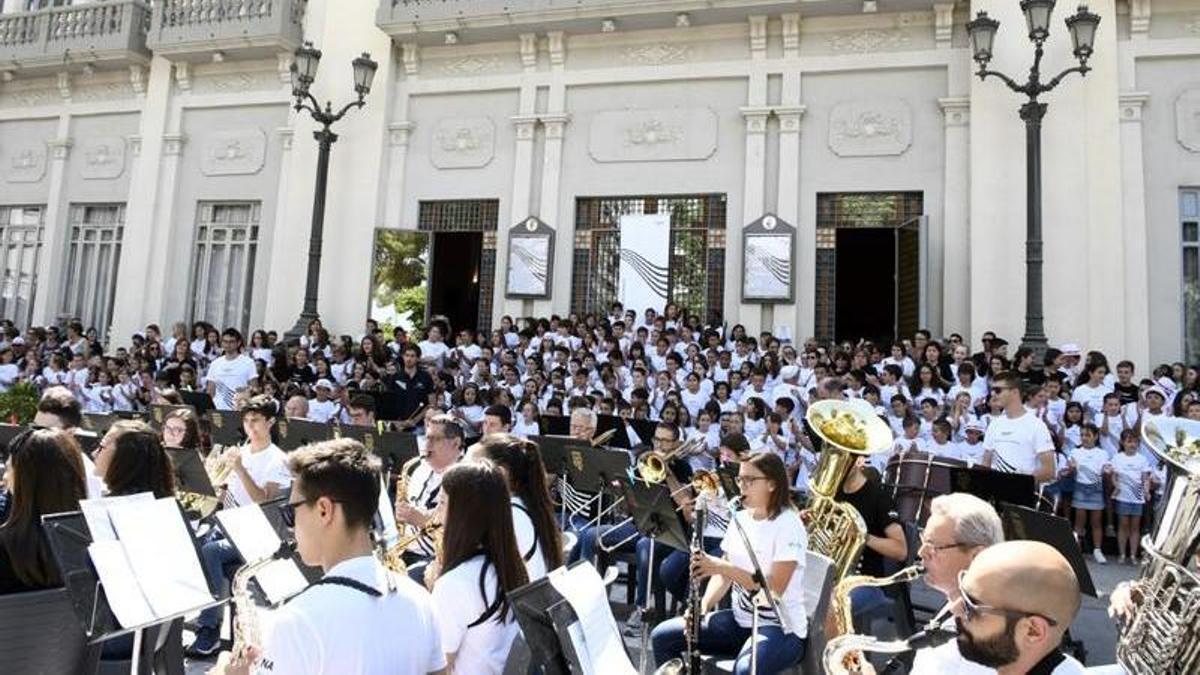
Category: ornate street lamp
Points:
column 304, row 72
column 982, row 32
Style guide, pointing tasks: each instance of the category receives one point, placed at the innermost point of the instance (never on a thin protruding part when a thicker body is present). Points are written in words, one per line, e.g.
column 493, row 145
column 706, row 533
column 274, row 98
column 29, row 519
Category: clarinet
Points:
column 695, row 590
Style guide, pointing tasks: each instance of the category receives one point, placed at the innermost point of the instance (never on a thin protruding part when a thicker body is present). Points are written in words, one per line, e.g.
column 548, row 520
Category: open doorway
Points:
column 865, row 295
column 454, row 280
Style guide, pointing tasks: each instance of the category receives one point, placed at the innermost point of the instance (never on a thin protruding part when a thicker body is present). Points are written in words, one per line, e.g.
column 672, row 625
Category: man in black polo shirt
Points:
column 413, row 384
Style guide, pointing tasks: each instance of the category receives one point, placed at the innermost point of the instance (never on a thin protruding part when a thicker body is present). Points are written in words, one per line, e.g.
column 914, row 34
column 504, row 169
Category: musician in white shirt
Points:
column 443, row 447
column 478, row 565
column 346, row 622
column 231, row 373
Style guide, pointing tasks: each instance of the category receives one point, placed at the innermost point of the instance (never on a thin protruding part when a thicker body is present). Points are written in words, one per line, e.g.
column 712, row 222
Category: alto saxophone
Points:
column 392, row 557
column 245, row 627
column 846, row 655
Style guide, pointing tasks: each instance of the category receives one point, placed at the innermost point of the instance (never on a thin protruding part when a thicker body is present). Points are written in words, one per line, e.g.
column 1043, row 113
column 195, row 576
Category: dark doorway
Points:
column 454, row 284
column 865, row 294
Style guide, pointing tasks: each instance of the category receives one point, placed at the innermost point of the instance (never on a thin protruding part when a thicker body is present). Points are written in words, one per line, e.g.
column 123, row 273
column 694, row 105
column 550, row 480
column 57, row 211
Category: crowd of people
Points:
column 475, row 400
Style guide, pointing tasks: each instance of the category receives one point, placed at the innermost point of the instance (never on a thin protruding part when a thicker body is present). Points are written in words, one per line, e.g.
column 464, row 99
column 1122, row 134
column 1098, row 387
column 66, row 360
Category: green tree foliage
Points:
column 398, row 277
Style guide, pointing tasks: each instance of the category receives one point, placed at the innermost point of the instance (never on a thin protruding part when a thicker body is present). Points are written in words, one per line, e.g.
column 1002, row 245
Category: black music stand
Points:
column 159, row 412
column 544, row 615
column 68, row 537
column 555, row 451
column 606, row 423
column 190, row 475
column 995, row 487
column 226, row 427
column 644, row 429
column 7, row 433
column 597, row 469
column 727, row 473
column 97, row 422
column 395, row 448
column 656, row 516
column 555, row 425
column 200, row 401
column 293, row 433
column 389, row 405
column 88, row 440
column 1022, row 522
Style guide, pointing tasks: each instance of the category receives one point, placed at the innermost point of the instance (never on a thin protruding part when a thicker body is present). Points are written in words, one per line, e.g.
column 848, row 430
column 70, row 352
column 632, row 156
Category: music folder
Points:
column 596, row 469
column 994, row 487
column 200, row 401
column 1022, row 522
column 556, row 451
column 225, row 427
column 190, row 474
column 656, row 515
column 292, row 433
column 555, row 425
column 606, row 423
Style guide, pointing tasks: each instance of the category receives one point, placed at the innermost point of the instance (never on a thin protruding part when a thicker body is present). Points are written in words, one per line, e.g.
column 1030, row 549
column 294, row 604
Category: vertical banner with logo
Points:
column 645, row 261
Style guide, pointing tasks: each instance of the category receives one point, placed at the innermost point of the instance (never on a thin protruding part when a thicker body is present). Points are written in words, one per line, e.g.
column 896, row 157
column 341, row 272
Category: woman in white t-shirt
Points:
column 539, row 540
column 477, row 567
column 526, row 424
column 9, row 371
column 779, row 541
column 1091, row 392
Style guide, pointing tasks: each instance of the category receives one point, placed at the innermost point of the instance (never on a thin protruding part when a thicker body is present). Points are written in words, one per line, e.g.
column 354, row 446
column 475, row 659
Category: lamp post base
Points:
column 300, row 329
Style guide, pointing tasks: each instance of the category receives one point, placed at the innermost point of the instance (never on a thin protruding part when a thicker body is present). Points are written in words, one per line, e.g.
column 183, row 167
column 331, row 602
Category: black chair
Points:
column 39, row 633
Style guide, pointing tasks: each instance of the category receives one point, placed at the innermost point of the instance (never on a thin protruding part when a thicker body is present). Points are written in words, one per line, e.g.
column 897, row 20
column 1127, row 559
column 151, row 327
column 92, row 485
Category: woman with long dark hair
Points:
column 131, row 459
column 479, row 565
column 538, row 537
column 45, row 475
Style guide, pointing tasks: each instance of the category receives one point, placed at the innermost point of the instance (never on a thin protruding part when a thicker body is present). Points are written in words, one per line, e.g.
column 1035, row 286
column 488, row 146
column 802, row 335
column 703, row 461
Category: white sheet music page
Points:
column 159, row 546
column 584, row 590
column 95, row 513
column 251, row 533
column 121, row 588
column 391, row 534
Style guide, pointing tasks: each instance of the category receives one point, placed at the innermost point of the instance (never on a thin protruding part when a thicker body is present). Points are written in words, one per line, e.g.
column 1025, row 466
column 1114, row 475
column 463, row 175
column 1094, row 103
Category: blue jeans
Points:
column 721, row 636
column 215, row 554
column 864, row 602
column 671, row 567
column 608, row 534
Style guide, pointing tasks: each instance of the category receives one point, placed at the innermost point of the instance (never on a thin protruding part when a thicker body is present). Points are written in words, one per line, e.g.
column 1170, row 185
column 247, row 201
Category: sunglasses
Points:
column 972, row 609
column 287, row 511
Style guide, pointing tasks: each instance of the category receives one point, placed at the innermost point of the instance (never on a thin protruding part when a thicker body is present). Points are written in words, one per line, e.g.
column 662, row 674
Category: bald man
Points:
column 1015, row 602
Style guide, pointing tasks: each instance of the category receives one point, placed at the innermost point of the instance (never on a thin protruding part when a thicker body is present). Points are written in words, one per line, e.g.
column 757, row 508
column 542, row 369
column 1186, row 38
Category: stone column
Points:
column 51, row 274
column 956, row 221
column 1135, row 264
column 555, row 125
column 753, row 203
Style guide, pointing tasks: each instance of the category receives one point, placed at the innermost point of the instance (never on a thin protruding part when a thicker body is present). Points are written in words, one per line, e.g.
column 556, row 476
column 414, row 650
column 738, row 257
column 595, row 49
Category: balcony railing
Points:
column 245, row 27
column 92, row 33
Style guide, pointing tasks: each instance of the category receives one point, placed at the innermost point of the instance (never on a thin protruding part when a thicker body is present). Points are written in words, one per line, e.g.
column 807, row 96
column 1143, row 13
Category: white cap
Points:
column 976, row 425
column 18, row 340
column 1070, row 349
column 1167, row 384
column 323, row 383
column 789, row 373
column 1156, row 390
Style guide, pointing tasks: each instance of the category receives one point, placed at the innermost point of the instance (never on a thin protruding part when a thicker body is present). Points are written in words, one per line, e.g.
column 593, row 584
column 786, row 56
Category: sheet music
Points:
column 582, row 588
column 391, row 534
column 95, row 513
column 251, row 533
column 160, row 550
column 125, row 596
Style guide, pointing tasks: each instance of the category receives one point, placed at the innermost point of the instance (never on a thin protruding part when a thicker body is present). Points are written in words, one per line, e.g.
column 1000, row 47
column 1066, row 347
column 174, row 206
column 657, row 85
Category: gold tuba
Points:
column 1163, row 634
column 849, row 430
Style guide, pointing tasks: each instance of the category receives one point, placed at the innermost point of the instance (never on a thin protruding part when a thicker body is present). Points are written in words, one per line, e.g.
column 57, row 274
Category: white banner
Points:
column 645, row 259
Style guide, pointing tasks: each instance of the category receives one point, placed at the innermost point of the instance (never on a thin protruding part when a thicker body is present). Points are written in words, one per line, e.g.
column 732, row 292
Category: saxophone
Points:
column 691, row 663
column 392, row 557
column 849, row 430
column 1163, row 634
column 845, row 655
column 245, row 628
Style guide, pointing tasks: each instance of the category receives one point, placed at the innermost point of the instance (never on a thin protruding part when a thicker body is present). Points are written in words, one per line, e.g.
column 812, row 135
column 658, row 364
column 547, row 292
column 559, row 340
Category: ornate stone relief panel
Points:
column 102, row 158
column 657, row 53
column 870, row 128
column 653, row 135
column 1187, row 119
column 29, row 93
column 463, row 143
column 868, row 40
column 230, row 82
column 229, row 153
column 25, row 162
column 470, row 65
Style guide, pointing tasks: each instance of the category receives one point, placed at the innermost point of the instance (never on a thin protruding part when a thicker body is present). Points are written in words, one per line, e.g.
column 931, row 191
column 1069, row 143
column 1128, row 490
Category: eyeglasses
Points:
column 748, row 480
column 175, row 429
column 1000, row 390
column 287, row 512
column 925, row 543
column 973, row 609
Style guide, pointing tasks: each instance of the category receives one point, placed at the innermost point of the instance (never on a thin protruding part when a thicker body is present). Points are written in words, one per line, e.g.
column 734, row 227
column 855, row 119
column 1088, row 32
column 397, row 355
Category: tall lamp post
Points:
column 304, row 71
column 982, row 32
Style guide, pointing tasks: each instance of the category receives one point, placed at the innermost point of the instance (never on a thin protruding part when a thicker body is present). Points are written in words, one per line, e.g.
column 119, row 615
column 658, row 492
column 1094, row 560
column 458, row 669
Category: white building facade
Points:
column 152, row 169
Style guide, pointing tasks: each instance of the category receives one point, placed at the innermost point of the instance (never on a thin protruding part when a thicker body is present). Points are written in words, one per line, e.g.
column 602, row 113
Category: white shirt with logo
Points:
column 1017, row 442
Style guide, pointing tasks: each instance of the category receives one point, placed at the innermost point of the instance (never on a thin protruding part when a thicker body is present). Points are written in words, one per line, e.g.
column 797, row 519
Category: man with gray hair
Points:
column 960, row 527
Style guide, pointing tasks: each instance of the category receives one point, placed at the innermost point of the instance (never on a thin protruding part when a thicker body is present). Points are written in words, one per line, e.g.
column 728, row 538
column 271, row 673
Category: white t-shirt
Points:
column 9, row 372
column 230, row 375
column 333, row 629
column 945, row 659
column 971, row 454
column 432, row 351
column 268, row 465
column 1017, row 442
column 1129, row 471
column 774, row 540
column 321, row 411
column 1089, row 464
column 95, row 485
column 522, row 430
column 482, row 648
column 1092, row 398
column 527, row 541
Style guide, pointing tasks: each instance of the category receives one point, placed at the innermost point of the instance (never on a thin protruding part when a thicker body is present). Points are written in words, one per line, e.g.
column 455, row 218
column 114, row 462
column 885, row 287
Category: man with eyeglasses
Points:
column 1015, row 602
column 347, row 621
column 443, row 447
column 959, row 528
column 1017, row 442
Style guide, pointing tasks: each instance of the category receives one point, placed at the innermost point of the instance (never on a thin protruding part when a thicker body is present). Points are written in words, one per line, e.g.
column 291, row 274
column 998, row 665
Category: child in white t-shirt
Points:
column 941, row 445
column 527, row 424
column 97, row 395
column 1089, row 464
column 1111, row 421
column 1069, row 433
column 1131, row 479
